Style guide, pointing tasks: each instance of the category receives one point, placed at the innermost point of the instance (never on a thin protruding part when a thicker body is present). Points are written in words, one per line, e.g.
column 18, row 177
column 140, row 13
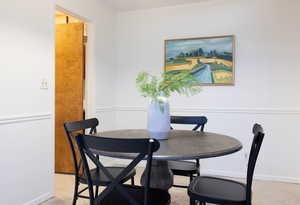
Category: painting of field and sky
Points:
column 209, row 59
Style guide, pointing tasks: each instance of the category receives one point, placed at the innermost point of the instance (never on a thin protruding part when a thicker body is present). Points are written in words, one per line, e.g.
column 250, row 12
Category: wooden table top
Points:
column 181, row 145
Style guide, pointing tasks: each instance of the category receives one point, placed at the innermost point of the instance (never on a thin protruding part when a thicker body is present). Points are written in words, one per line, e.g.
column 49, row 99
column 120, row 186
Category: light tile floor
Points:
column 264, row 193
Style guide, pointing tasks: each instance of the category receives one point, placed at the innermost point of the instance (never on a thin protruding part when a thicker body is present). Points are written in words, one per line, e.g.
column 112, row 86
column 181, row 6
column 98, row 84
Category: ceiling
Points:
column 128, row 5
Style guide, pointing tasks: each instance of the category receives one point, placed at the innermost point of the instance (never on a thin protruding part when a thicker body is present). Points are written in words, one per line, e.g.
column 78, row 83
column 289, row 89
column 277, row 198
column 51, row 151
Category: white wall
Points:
column 267, row 72
column 26, row 113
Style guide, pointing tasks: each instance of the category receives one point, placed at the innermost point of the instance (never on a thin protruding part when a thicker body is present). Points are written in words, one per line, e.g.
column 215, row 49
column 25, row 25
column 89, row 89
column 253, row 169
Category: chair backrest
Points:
column 199, row 121
column 255, row 148
column 89, row 146
column 82, row 125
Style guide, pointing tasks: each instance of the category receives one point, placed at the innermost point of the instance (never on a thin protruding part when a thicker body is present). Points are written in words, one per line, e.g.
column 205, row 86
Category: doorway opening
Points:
column 70, row 75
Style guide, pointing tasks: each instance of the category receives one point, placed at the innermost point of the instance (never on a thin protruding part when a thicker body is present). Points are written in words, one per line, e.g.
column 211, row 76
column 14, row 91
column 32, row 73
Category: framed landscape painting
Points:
column 209, row 59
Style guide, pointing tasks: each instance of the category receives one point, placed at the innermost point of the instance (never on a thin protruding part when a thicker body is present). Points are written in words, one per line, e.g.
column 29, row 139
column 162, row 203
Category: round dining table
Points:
column 180, row 145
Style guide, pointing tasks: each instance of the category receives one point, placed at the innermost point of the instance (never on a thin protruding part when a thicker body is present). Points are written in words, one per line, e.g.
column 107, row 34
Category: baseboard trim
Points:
column 278, row 179
column 40, row 199
column 24, row 118
column 222, row 173
column 256, row 176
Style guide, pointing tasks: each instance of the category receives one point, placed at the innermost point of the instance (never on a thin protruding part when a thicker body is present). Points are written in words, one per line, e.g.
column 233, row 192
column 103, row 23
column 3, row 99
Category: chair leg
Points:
column 132, row 180
column 192, row 202
column 97, row 191
column 191, row 178
column 75, row 197
column 198, row 167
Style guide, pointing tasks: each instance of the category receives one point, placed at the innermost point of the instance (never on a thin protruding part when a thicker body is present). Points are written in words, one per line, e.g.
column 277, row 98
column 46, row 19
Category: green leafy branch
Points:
column 155, row 87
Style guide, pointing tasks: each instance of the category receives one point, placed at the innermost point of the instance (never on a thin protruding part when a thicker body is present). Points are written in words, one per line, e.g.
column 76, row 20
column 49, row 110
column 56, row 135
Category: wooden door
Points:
column 69, row 63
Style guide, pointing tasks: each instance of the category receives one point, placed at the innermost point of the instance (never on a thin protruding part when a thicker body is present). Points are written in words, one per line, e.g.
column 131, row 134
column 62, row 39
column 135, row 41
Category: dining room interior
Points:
column 150, row 102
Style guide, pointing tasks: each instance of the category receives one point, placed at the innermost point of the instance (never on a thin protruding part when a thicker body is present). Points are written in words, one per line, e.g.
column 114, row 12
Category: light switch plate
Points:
column 44, row 84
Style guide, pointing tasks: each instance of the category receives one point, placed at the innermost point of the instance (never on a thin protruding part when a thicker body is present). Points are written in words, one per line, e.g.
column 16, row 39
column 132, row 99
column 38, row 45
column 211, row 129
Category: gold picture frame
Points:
column 210, row 59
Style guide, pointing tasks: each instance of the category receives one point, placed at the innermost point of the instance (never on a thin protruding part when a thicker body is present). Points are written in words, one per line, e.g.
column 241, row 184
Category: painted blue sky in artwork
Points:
column 175, row 47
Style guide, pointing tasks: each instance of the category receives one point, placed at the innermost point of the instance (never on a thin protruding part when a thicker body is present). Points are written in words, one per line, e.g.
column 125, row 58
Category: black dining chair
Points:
column 98, row 177
column 224, row 191
column 117, row 193
column 187, row 168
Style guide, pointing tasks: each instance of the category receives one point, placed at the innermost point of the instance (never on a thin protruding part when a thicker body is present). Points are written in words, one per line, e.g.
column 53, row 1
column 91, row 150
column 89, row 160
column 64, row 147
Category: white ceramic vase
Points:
column 159, row 120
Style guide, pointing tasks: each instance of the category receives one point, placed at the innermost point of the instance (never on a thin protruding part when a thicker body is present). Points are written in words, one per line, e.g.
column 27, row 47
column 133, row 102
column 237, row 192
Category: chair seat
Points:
column 100, row 179
column 183, row 168
column 217, row 191
column 157, row 196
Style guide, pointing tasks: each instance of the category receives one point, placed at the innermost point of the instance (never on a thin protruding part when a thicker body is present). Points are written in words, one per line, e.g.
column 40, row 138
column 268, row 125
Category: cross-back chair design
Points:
column 116, row 192
column 185, row 168
column 81, row 126
column 228, row 192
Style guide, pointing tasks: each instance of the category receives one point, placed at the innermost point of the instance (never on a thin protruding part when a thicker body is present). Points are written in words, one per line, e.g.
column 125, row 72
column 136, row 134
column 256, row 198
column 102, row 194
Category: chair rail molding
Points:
column 104, row 109
column 272, row 111
column 24, row 118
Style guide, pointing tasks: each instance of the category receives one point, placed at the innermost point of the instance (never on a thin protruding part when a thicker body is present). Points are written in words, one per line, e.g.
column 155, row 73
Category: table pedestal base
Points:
column 161, row 175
